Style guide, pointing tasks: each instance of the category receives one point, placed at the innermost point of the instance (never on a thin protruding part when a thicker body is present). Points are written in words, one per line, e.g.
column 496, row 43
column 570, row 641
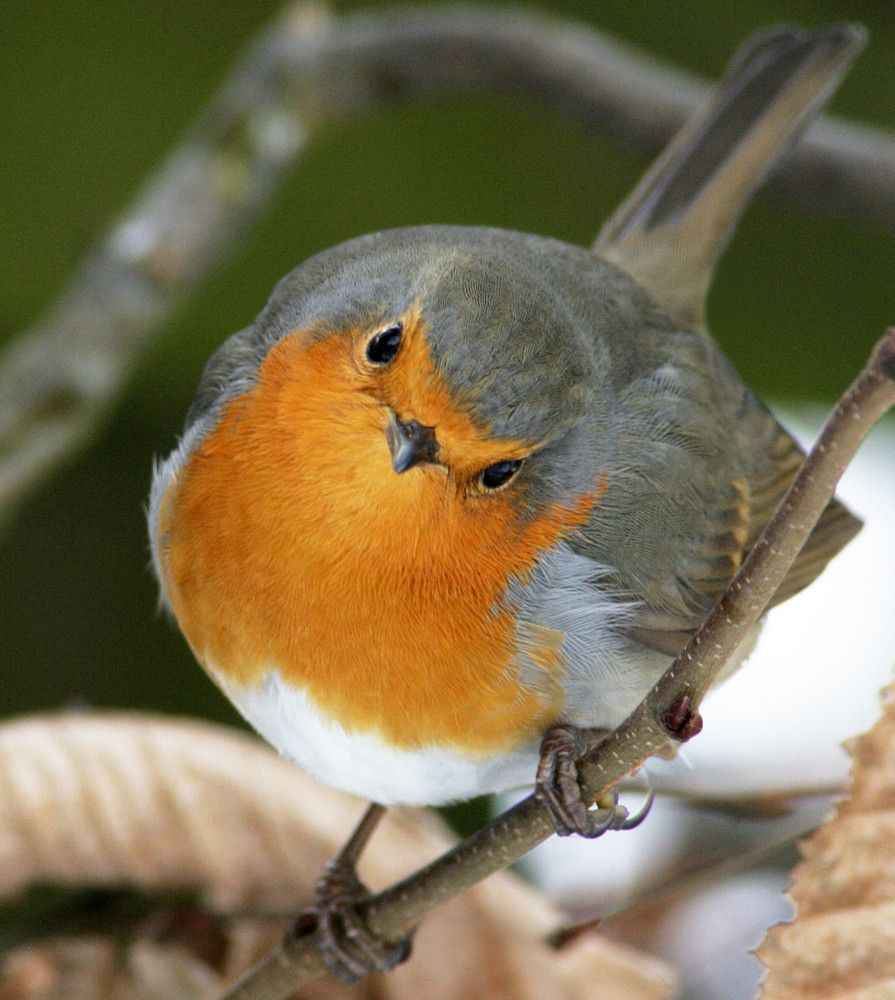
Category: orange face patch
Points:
column 293, row 544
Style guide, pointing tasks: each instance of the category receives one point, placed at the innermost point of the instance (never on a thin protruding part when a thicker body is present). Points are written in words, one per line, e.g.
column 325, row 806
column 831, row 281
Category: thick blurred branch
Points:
column 392, row 913
column 305, row 73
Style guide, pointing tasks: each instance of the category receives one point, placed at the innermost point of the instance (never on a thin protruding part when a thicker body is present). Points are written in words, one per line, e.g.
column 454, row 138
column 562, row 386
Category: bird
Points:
column 460, row 494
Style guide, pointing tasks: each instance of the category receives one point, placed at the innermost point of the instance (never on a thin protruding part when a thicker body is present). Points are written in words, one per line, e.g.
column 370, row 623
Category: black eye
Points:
column 500, row 473
column 384, row 346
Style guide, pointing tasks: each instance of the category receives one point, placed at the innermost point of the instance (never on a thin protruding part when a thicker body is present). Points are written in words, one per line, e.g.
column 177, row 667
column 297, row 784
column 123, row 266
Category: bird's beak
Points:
column 410, row 443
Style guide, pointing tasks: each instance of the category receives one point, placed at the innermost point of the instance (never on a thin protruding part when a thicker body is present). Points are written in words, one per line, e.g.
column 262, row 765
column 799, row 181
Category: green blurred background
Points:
column 92, row 94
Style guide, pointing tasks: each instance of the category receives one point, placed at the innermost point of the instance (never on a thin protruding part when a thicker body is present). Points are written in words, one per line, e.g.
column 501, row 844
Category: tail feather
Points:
column 671, row 229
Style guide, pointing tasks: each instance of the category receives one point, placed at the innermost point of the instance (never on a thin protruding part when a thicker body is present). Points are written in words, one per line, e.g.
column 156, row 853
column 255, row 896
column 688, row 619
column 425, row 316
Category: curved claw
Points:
column 630, row 822
column 349, row 950
column 558, row 790
column 601, row 820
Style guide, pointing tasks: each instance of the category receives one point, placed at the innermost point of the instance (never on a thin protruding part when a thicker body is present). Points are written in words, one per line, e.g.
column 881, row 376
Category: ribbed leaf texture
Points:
column 841, row 945
column 166, row 806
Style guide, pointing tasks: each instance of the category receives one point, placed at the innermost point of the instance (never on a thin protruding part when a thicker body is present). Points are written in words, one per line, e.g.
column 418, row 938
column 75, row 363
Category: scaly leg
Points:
column 349, row 949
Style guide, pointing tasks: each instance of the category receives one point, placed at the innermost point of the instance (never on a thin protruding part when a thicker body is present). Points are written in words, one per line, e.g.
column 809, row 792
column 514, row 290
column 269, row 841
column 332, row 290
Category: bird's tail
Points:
column 673, row 226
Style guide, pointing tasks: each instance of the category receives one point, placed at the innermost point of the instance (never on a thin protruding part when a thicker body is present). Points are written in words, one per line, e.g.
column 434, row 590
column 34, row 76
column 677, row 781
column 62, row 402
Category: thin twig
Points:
column 304, row 73
column 393, row 912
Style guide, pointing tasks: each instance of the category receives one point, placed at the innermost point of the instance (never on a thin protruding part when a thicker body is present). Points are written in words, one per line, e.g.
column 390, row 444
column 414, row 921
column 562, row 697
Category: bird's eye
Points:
column 382, row 348
column 499, row 473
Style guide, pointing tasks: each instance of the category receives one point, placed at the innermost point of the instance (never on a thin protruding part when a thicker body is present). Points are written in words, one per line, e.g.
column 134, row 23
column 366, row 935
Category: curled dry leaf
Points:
column 92, row 968
column 841, row 945
column 169, row 805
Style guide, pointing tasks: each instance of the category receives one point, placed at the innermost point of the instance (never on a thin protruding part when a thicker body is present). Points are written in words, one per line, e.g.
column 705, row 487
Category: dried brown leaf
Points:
column 841, row 945
column 161, row 804
column 92, row 968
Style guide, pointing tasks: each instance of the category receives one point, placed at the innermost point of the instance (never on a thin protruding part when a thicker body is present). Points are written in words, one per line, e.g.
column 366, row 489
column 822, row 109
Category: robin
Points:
column 445, row 512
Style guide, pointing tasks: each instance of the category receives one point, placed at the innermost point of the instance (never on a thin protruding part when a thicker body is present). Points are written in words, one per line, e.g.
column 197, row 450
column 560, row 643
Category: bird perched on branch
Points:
column 444, row 513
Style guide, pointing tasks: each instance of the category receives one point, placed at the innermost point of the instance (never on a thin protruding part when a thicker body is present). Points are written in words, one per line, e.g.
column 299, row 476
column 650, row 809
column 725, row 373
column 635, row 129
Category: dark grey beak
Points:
column 410, row 443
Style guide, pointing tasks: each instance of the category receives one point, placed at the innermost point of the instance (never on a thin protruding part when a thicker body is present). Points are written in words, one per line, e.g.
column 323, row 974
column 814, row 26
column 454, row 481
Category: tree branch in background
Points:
column 304, row 74
column 670, row 708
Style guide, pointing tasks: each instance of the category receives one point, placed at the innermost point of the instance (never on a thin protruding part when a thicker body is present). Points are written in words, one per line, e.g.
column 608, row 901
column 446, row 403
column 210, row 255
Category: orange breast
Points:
column 289, row 542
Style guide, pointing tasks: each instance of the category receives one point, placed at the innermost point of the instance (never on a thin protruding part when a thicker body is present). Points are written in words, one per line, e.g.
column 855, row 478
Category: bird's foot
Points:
column 349, row 949
column 557, row 787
